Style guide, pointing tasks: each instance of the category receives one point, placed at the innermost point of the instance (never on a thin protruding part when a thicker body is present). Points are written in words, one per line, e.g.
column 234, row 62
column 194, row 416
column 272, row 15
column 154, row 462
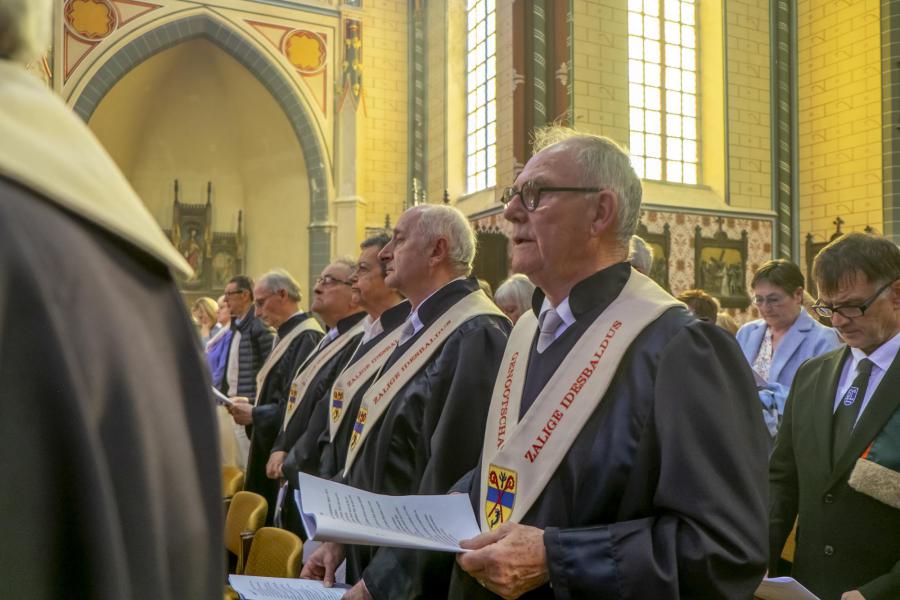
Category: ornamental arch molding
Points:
column 268, row 73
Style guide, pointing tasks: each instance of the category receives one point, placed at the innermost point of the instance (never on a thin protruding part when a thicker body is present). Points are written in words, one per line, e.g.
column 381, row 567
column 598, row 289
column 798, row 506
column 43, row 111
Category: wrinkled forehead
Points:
column 553, row 163
column 853, row 286
column 408, row 222
column 337, row 270
column 369, row 255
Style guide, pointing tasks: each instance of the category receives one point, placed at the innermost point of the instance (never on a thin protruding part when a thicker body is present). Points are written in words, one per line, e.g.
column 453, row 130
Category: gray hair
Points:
column 517, row 289
column 24, row 29
column 441, row 221
column 603, row 164
column 279, row 279
column 344, row 261
column 640, row 255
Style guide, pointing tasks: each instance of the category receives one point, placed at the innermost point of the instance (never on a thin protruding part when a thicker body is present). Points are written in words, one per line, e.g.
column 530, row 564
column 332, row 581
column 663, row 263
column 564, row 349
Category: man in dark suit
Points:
column 848, row 543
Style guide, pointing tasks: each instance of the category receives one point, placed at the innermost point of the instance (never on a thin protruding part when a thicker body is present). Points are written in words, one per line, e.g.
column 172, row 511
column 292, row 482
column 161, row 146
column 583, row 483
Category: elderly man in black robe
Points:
column 109, row 454
column 335, row 302
column 419, row 425
column 624, row 455
column 277, row 300
column 386, row 311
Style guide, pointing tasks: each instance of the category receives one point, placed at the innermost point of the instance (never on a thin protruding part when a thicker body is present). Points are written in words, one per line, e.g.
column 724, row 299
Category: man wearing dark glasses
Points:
column 837, row 456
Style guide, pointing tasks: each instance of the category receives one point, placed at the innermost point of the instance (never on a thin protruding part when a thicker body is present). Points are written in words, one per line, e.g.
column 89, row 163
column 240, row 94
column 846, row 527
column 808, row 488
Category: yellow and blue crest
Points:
column 500, row 490
column 337, row 404
column 358, row 427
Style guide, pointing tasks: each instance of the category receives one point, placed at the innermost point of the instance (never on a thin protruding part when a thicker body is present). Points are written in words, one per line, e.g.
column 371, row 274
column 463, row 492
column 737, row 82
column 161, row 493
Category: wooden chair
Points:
column 246, row 514
column 232, row 483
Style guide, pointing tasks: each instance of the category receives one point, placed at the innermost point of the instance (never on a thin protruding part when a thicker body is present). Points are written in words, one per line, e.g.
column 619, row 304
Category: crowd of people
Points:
column 614, row 441
column 637, row 431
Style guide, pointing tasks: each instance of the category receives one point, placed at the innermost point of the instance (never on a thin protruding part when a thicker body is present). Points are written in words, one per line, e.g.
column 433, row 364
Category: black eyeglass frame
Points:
column 530, row 187
column 823, row 310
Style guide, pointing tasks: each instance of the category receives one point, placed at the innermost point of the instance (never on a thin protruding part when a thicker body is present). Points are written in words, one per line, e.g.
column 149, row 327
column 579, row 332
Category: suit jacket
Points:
column 805, row 339
column 845, row 540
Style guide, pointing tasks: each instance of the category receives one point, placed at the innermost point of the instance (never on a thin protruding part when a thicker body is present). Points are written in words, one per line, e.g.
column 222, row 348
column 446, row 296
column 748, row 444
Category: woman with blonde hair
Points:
column 205, row 313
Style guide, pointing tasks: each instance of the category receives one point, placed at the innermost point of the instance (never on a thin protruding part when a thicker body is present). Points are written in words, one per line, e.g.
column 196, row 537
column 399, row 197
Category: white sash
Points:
column 308, row 324
column 306, row 374
column 356, row 375
column 379, row 395
column 519, row 457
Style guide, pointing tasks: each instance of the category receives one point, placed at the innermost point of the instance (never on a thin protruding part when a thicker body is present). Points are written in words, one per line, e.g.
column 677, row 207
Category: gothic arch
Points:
column 231, row 41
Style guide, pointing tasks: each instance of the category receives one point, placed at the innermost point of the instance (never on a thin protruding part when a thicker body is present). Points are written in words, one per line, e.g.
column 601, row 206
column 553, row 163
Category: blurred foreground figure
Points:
column 110, row 472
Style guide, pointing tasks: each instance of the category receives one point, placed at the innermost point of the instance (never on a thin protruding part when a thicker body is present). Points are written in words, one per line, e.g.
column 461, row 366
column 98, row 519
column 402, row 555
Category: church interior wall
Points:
column 209, row 119
column 749, row 125
column 256, row 163
column 383, row 152
column 840, row 128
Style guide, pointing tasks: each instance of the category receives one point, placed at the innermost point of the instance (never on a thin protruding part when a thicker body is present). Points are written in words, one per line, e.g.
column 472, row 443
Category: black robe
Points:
column 333, row 455
column 269, row 408
column 430, row 435
column 299, row 438
column 110, row 464
column 662, row 494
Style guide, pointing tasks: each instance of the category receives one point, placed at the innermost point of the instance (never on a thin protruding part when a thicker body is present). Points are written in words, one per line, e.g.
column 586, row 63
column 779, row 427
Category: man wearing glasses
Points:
column 337, row 305
column 251, row 343
column 277, row 301
column 837, row 456
column 624, row 454
column 419, row 425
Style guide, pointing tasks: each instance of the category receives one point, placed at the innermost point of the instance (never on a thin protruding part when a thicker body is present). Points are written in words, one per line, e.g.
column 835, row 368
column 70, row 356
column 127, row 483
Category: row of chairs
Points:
column 252, row 548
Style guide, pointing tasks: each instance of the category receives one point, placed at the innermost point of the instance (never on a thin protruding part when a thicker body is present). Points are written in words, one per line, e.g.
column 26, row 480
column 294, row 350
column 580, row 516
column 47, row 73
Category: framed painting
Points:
column 720, row 267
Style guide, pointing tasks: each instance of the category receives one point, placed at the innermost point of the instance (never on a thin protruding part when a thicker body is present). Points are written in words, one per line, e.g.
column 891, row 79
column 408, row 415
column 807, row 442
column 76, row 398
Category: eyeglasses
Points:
column 328, row 281
column 234, row 292
column 531, row 193
column 850, row 311
column 770, row 300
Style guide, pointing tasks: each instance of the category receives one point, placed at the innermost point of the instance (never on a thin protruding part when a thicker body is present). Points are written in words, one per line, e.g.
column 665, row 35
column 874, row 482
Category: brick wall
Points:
column 600, row 59
column 749, row 115
column 384, row 154
column 839, row 92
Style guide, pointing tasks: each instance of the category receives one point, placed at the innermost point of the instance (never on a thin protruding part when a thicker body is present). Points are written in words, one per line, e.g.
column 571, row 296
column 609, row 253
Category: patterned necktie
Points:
column 548, row 324
column 848, row 409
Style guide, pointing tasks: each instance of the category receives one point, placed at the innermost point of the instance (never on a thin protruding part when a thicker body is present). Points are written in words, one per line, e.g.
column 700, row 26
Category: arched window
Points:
column 662, row 76
column 481, row 95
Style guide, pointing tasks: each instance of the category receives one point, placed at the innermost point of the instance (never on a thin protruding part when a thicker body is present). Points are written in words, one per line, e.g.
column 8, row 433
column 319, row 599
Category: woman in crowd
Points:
column 205, row 314
column 219, row 342
column 786, row 336
column 513, row 296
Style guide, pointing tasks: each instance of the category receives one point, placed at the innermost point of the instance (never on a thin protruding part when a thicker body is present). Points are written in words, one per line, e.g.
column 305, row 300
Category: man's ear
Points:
column 895, row 294
column 439, row 251
column 605, row 213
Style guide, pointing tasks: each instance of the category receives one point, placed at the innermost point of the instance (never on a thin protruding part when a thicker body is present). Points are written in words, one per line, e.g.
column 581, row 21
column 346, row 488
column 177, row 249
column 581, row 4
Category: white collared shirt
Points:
column 413, row 319
column 372, row 328
column 564, row 312
column 881, row 358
